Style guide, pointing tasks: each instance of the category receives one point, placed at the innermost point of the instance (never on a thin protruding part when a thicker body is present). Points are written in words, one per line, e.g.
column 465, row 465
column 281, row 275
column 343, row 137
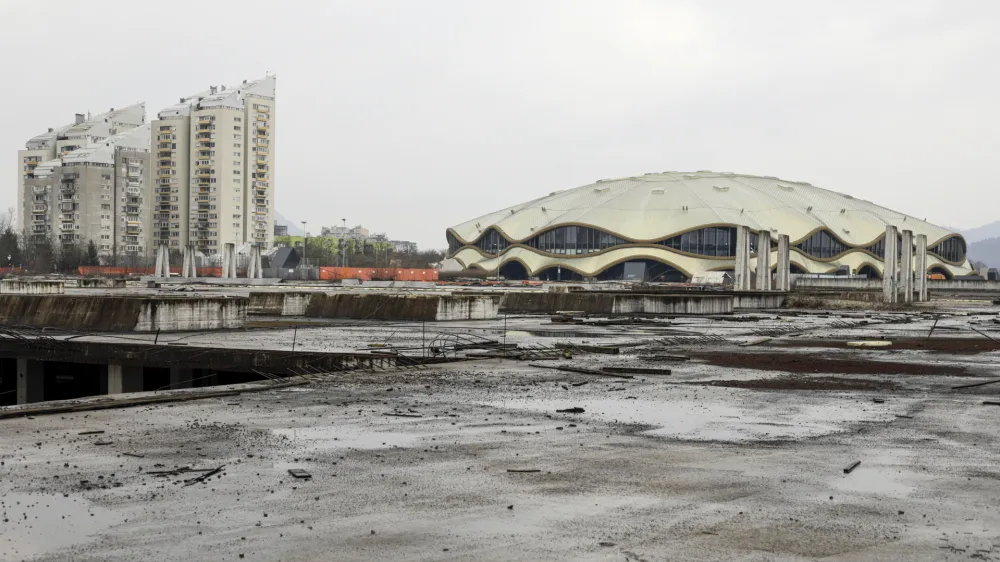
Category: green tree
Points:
column 92, row 258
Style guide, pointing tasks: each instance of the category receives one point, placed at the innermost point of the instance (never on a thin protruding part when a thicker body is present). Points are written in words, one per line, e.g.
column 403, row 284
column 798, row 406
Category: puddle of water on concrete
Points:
column 348, row 437
column 41, row 523
column 880, row 473
column 713, row 420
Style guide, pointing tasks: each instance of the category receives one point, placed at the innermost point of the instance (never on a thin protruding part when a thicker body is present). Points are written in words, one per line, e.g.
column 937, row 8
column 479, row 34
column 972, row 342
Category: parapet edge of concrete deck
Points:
column 408, row 307
column 620, row 302
column 125, row 313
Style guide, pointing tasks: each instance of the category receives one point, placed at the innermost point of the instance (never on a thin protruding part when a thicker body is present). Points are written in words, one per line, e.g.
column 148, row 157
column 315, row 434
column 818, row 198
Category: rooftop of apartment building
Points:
column 221, row 96
column 87, row 125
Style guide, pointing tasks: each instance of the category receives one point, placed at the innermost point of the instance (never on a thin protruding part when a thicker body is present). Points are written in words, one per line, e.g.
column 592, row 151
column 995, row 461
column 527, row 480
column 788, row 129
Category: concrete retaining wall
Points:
column 31, row 287
column 122, row 314
column 759, row 300
column 837, row 283
column 195, row 313
column 279, row 303
column 403, row 307
column 99, row 283
column 617, row 303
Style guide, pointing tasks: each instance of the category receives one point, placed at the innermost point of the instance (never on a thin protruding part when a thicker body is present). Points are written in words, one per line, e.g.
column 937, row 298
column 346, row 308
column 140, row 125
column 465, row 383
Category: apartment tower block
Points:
column 214, row 162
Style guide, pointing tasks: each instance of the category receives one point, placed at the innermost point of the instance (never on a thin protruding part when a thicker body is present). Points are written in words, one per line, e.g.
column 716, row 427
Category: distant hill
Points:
column 991, row 230
column 293, row 227
column 986, row 251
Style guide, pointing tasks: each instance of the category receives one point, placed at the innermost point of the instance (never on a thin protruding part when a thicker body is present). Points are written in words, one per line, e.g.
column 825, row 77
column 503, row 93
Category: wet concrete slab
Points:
column 471, row 461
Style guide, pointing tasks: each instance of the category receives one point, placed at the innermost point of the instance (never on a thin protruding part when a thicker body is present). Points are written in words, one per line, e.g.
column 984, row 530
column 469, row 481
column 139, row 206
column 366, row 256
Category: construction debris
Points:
column 580, row 371
column 636, row 370
column 574, row 410
column 850, row 468
column 299, row 473
column 872, row 343
column 994, row 381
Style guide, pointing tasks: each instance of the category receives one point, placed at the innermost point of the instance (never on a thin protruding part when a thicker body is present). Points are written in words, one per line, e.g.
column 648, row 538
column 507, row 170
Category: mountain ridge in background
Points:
column 293, row 227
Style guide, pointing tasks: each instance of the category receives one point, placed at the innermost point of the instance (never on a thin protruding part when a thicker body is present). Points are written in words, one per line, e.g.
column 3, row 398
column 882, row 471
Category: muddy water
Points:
column 36, row 524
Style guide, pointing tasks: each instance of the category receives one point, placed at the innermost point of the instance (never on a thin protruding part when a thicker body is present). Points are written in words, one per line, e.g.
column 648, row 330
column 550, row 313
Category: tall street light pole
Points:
column 305, row 242
column 344, row 257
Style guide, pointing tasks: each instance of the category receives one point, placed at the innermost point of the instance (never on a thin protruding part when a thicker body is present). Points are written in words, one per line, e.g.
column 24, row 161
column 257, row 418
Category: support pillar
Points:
column 920, row 268
column 906, row 266
column 189, row 269
column 123, row 378
column 764, row 260
column 162, row 263
column 30, row 381
column 890, row 265
column 254, row 269
column 783, row 280
column 229, row 261
column 741, row 272
column 180, row 378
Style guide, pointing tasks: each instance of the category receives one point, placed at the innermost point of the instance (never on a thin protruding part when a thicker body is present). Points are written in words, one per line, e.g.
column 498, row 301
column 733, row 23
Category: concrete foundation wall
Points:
column 613, row 303
column 939, row 285
column 184, row 314
column 122, row 314
column 402, row 307
column 99, row 283
column 759, row 300
column 31, row 287
column 805, row 283
column 465, row 307
column 279, row 303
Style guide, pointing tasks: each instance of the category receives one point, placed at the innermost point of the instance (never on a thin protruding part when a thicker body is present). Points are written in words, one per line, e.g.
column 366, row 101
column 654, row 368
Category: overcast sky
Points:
column 410, row 117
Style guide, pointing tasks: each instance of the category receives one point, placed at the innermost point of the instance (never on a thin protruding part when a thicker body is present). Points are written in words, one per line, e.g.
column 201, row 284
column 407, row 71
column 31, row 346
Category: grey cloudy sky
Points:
column 410, row 117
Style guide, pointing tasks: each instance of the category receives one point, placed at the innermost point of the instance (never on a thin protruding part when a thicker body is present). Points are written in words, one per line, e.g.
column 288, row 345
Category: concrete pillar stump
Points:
column 920, row 268
column 162, row 263
column 741, row 272
column 890, row 266
column 189, row 270
column 906, row 266
column 764, row 260
column 782, row 276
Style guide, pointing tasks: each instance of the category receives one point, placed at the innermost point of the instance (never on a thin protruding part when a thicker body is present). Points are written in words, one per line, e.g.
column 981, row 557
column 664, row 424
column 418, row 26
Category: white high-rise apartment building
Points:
column 214, row 162
column 89, row 181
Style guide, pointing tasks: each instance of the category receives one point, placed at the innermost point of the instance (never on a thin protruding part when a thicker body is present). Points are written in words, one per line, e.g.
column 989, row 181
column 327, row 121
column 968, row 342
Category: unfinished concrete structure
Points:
column 764, row 260
column 782, row 274
column 921, row 267
column 162, row 263
column 254, row 268
column 229, row 261
column 190, row 269
column 906, row 266
column 741, row 272
column 890, row 270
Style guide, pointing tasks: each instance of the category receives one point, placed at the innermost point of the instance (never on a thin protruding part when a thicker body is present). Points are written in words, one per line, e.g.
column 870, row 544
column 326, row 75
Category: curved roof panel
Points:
column 655, row 206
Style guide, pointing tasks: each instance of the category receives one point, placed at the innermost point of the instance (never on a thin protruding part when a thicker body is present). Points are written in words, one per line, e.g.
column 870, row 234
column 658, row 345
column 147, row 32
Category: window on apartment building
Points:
column 236, row 137
column 236, row 172
column 236, row 145
column 237, row 128
column 106, row 207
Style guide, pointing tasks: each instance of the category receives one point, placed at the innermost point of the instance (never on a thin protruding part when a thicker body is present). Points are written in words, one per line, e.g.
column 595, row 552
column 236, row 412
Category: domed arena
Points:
column 675, row 226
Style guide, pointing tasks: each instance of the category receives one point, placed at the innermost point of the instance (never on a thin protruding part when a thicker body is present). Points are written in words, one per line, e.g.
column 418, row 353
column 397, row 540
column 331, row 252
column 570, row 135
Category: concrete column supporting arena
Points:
column 764, row 260
column 30, row 381
column 920, row 268
column 162, row 262
column 890, row 265
column 180, row 378
column 189, row 269
column 782, row 274
column 906, row 266
column 741, row 272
